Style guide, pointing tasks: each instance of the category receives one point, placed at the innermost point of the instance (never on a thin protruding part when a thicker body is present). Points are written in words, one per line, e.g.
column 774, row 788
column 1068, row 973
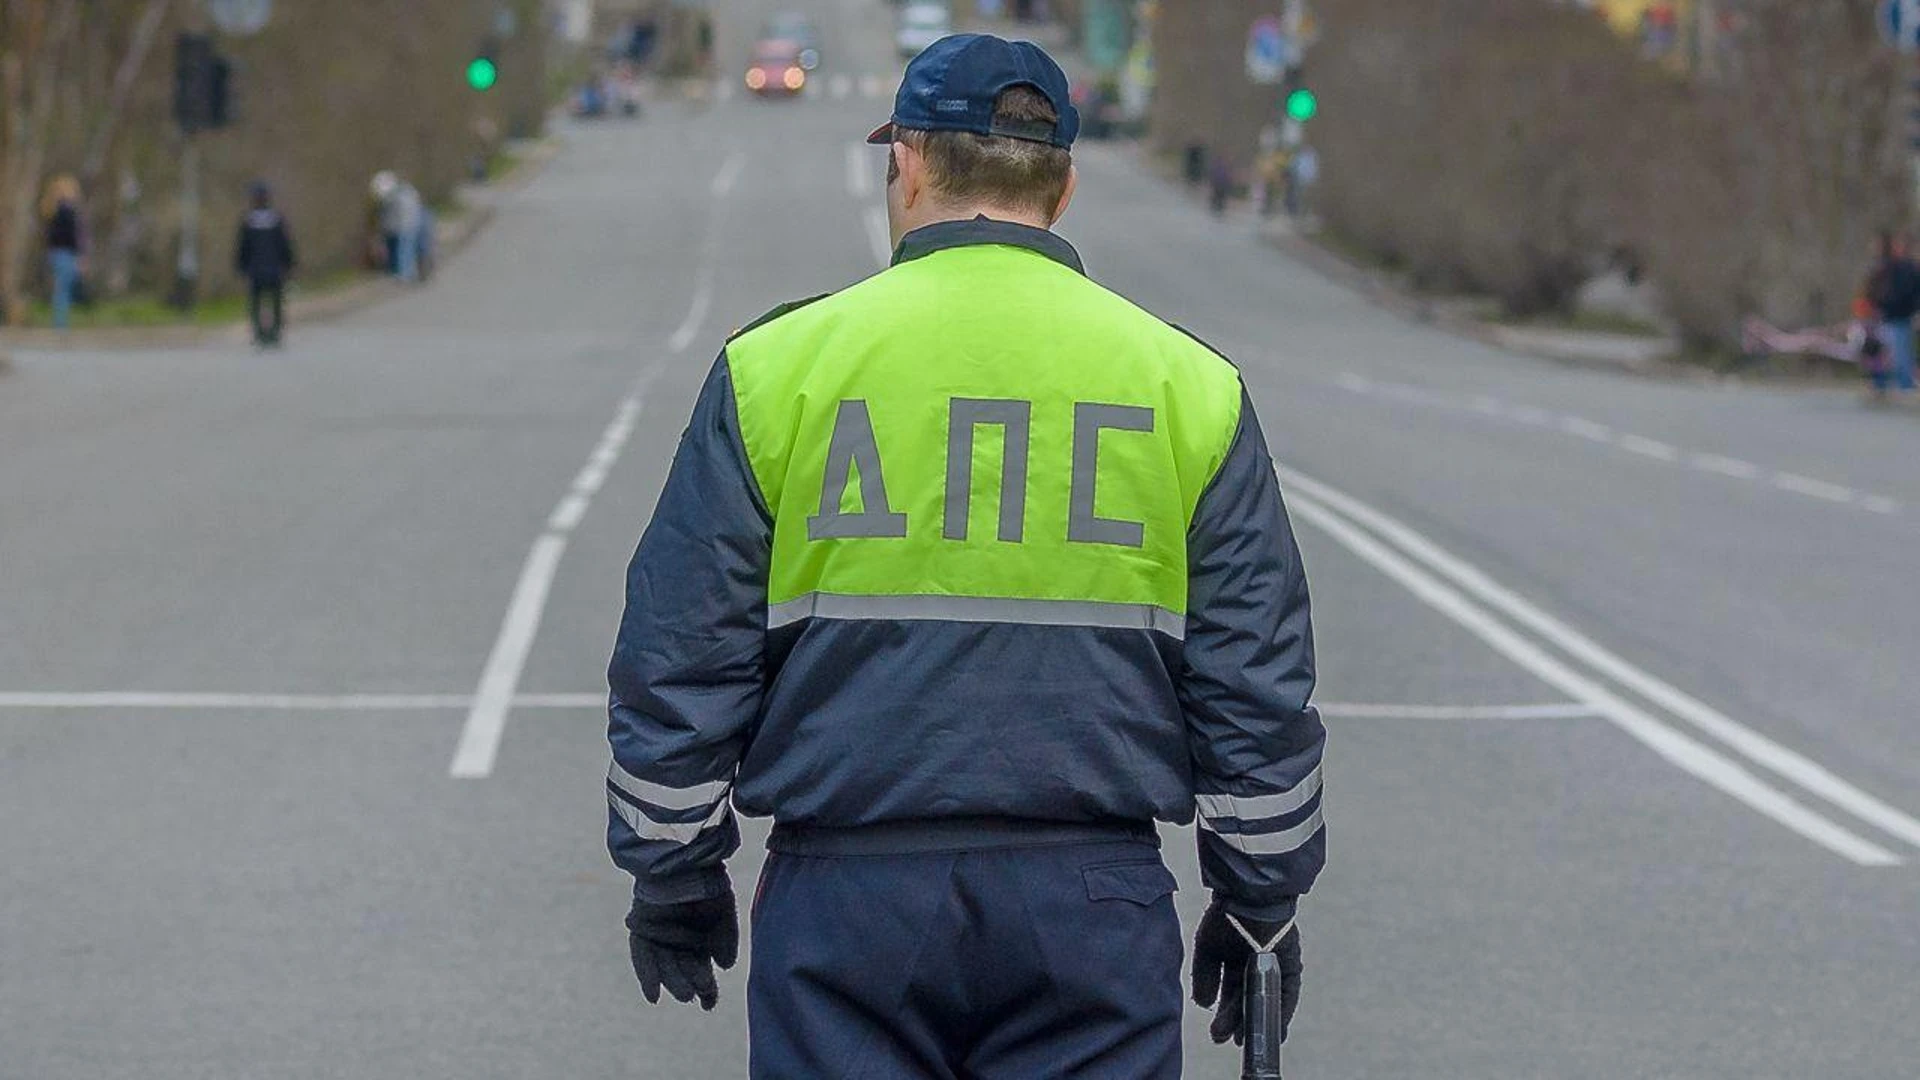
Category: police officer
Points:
column 966, row 575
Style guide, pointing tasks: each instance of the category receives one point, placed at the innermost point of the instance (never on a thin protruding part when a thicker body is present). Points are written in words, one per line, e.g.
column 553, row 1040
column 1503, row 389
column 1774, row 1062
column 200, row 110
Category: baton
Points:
column 1261, row 1007
column 1260, row 1058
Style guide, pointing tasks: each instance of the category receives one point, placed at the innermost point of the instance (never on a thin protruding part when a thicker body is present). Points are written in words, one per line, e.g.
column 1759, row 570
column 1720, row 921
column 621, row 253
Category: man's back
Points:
column 965, row 575
column 264, row 251
column 981, row 469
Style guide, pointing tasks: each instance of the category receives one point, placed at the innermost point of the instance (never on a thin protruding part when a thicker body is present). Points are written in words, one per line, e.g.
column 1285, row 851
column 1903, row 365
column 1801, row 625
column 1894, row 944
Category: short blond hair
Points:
column 60, row 189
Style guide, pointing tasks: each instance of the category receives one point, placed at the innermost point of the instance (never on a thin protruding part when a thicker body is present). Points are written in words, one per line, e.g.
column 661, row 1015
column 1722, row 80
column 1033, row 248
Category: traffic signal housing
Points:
column 202, row 84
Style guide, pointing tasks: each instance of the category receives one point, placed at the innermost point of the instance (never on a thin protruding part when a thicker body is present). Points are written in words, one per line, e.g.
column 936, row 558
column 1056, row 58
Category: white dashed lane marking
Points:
column 1732, row 468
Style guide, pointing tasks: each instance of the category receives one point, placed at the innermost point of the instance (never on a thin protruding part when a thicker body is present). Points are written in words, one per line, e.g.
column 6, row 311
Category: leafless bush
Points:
column 1778, row 170
column 1478, row 143
column 1511, row 145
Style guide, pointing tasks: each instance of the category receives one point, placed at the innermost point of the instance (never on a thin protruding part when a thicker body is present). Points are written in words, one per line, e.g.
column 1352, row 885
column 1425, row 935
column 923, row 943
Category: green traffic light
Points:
column 482, row 73
column 1303, row 105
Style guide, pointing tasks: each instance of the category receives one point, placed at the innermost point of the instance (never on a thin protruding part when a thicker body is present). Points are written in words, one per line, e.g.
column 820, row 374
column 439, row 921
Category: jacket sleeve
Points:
column 1246, row 679
column 689, row 668
column 285, row 236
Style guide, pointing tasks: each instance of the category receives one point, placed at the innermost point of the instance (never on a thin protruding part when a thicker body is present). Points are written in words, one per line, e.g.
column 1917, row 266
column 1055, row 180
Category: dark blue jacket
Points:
column 839, row 723
column 264, row 250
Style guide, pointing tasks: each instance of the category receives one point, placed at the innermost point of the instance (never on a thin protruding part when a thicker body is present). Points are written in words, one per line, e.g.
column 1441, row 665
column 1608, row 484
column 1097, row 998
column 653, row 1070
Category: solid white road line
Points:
column 1340, row 710
column 1786, row 763
column 1879, row 504
column 878, row 235
column 137, row 699
column 592, row 700
column 561, row 701
column 487, row 719
column 1683, row 751
column 201, row 702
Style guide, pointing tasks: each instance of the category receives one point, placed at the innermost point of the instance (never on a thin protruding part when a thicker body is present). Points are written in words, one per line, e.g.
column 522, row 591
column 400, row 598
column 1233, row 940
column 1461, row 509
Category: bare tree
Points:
column 146, row 31
column 35, row 38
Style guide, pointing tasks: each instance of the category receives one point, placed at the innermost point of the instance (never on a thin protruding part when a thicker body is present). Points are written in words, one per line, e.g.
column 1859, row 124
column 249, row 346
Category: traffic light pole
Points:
column 1293, row 18
column 186, row 269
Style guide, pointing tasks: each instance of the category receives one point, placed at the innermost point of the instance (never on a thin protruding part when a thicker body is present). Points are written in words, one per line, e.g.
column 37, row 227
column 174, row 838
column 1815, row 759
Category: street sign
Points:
column 1900, row 23
column 1269, row 51
column 240, row 17
column 506, row 22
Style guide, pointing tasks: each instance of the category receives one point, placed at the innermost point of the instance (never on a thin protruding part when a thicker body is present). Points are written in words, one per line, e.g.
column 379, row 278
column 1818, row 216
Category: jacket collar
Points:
column 942, row 235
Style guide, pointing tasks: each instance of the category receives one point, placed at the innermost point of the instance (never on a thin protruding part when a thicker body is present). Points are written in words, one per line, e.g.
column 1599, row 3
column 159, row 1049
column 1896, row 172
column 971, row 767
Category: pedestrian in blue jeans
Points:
column 1894, row 290
column 63, row 245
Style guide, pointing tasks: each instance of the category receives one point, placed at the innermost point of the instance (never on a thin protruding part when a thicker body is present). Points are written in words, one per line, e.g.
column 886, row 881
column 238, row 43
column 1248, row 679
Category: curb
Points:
column 480, row 202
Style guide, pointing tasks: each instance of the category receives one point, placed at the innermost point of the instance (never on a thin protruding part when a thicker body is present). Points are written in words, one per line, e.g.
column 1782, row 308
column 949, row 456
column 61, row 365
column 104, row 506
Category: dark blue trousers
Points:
column 1028, row 963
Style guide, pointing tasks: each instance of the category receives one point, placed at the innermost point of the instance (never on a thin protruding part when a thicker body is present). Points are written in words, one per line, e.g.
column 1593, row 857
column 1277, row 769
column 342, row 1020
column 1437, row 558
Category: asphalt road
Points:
column 300, row 653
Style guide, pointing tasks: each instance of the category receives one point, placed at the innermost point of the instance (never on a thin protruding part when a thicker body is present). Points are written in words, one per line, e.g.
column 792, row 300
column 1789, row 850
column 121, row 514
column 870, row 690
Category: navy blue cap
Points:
column 953, row 84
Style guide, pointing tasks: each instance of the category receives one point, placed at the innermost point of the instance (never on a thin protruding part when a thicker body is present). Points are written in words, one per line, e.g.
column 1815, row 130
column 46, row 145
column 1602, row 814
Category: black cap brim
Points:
column 882, row 135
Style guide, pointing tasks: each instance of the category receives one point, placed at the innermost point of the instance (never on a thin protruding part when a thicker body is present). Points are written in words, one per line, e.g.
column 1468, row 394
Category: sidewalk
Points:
column 1618, row 352
column 478, row 203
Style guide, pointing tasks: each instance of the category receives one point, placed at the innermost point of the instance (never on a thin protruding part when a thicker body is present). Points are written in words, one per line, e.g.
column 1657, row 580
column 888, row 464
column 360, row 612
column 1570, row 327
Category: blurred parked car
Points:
column 922, row 23
column 1100, row 112
column 797, row 28
column 775, row 71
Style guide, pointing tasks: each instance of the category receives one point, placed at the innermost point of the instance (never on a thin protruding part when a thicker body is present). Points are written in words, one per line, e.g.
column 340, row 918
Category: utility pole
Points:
column 193, row 107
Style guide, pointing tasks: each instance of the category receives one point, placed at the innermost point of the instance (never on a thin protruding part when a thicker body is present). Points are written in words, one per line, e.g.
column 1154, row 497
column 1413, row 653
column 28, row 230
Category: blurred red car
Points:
column 775, row 70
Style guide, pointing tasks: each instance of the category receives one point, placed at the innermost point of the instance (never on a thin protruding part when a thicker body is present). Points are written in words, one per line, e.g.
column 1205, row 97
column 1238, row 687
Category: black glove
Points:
column 1220, row 957
column 676, row 946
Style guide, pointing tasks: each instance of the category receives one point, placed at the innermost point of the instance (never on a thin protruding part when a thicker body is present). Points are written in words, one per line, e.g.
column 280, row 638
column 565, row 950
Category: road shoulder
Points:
column 479, row 204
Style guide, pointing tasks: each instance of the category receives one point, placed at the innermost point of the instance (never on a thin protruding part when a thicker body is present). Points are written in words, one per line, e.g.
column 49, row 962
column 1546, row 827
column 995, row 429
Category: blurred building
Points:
column 573, row 21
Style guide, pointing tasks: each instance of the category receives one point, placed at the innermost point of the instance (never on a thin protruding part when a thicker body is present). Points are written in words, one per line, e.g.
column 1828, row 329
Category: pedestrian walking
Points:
column 402, row 217
column 1303, row 173
column 965, row 699
column 263, row 255
column 1894, row 289
column 1219, row 182
column 66, row 246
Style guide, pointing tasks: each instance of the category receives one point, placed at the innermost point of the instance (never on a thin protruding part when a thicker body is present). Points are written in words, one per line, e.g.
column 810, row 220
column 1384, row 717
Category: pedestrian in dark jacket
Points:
column 66, row 247
column 1894, row 291
column 264, row 256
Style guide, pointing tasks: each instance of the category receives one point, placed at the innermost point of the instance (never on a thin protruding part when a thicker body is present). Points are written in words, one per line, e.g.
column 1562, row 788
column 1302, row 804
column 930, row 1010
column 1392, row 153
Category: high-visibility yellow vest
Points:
column 982, row 434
